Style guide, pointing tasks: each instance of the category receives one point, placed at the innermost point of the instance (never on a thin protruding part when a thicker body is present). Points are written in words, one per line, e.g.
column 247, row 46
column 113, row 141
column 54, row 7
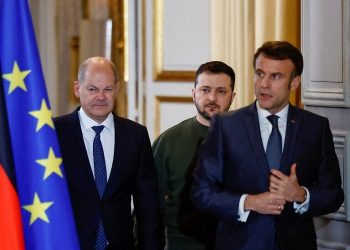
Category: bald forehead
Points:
column 95, row 63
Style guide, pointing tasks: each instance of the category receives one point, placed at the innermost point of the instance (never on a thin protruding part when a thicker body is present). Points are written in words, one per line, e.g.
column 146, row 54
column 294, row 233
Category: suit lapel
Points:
column 253, row 130
column 75, row 138
column 293, row 124
column 113, row 178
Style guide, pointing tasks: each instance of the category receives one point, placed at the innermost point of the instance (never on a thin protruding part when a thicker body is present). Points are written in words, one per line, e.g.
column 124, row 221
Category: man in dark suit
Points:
column 266, row 204
column 101, row 196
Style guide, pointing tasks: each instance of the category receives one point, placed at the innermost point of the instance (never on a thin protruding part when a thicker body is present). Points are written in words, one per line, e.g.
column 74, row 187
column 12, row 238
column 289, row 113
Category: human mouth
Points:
column 265, row 95
column 100, row 105
column 212, row 106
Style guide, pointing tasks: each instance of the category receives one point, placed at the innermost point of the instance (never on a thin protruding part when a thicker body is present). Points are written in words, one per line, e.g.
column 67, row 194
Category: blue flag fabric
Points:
column 46, row 212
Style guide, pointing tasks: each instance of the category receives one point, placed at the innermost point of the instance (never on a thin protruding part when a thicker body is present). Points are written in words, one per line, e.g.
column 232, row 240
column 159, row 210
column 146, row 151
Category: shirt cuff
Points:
column 303, row 207
column 242, row 215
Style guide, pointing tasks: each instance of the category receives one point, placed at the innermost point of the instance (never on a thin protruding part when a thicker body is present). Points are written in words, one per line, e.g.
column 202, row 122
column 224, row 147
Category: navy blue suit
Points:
column 232, row 162
column 133, row 173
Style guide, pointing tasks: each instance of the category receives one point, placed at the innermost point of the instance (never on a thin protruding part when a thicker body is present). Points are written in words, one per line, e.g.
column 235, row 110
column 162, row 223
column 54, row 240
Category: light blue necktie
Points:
column 101, row 181
column 274, row 144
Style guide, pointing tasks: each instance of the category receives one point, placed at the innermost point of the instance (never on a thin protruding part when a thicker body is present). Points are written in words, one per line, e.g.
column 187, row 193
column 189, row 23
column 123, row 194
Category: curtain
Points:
column 239, row 27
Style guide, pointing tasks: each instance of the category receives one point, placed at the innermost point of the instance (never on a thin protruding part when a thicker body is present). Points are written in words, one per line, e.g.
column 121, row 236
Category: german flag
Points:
column 10, row 216
column 35, row 209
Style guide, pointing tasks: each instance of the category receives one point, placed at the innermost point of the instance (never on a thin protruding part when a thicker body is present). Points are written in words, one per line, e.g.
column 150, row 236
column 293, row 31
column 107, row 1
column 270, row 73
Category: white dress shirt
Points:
column 265, row 131
column 266, row 126
column 107, row 138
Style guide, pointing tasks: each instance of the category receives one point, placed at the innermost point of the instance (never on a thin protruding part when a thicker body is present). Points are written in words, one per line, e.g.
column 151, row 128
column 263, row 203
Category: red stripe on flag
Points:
column 11, row 232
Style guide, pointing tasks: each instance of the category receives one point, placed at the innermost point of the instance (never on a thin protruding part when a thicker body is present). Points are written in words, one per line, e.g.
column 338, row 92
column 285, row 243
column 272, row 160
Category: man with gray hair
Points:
column 108, row 160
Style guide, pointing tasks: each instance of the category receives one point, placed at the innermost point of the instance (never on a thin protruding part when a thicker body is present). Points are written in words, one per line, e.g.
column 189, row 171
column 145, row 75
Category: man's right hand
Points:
column 265, row 203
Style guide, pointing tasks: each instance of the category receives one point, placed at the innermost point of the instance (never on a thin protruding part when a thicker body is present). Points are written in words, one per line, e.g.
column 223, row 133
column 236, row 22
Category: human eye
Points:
column 205, row 90
column 222, row 91
column 109, row 90
column 93, row 90
column 259, row 73
column 276, row 76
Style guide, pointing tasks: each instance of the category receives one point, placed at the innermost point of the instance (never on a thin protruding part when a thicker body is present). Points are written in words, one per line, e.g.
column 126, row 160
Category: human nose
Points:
column 212, row 96
column 101, row 94
column 263, row 82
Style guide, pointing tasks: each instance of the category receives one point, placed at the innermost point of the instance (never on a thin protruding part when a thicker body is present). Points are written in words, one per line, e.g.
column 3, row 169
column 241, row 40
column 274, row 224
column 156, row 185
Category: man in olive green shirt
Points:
column 175, row 153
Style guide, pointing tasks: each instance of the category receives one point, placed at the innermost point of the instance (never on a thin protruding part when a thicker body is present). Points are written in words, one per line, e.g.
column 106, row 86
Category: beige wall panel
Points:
column 177, row 41
column 171, row 110
column 326, row 41
column 181, row 38
column 326, row 52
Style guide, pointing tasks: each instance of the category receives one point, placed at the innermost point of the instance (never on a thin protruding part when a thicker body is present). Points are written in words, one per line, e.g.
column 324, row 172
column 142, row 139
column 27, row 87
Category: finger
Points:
column 273, row 178
column 278, row 197
column 274, row 185
column 280, row 202
column 277, row 210
column 273, row 188
column 293, row 169
column 274, row 182
column 278, row 174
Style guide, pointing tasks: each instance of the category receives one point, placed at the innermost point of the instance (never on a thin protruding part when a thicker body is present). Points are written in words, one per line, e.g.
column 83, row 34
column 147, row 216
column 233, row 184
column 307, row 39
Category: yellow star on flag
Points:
column 44, row 116
column 38, row 209
column 16, row 78
column 51, row 164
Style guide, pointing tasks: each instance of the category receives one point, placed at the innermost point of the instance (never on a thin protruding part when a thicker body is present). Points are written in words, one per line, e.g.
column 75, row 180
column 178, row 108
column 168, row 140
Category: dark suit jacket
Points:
column 133, row 173
column 232, row 162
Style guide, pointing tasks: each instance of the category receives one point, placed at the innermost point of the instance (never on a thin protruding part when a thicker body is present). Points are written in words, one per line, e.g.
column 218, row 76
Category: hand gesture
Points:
column 265, row 203
column 288, row 186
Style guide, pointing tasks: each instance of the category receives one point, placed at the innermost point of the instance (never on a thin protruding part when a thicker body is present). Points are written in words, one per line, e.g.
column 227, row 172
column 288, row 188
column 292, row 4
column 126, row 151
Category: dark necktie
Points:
column 101, row 181
column 274, row 144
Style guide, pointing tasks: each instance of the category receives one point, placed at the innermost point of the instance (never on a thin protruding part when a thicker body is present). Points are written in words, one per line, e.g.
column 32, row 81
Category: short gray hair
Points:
column 95, row 60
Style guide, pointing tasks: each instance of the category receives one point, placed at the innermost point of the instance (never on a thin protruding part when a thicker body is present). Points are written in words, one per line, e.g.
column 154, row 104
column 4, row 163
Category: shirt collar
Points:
column 87, row 122
column 263, row 113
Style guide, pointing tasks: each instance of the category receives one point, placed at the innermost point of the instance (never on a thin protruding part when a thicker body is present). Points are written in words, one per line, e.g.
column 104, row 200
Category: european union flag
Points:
column 47, row 217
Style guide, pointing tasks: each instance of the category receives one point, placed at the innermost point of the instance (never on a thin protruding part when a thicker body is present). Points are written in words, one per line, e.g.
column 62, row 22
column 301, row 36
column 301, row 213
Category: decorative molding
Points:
column 73, row 73
column 170, row 99
column 342, row 146
column 67, row 22
column 119, row 30
column 159, row 74
column 143, row 41
column 321, row 92
column 329, row 245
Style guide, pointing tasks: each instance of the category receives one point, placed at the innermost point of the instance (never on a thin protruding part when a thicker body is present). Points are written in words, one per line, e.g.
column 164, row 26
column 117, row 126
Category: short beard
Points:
column 203, row 113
